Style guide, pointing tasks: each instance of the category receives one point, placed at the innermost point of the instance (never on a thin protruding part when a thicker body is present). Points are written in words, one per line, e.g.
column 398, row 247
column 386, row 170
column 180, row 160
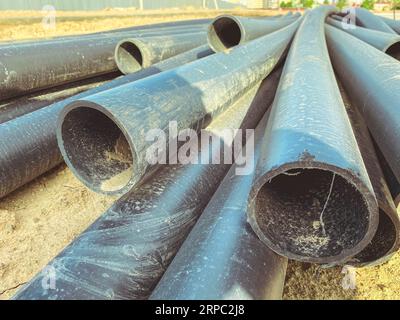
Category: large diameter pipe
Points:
column 312, row 199
column 92, row 130
column 367, row 19
column 227, row 31
column 386, row 42
column 133, row 54
column 28, row 144
column 134, row 241
column 14, row 108
column 386, row 240
column 394, row 24
column 55, row 63
column 376, row 88
column 222, row 259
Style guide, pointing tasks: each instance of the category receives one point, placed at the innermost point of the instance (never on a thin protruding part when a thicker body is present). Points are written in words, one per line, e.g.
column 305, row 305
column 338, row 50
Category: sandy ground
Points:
column 40, row 219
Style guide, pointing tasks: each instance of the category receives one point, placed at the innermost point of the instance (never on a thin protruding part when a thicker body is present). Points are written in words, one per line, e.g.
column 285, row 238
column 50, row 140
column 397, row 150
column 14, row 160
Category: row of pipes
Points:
column 322, row 96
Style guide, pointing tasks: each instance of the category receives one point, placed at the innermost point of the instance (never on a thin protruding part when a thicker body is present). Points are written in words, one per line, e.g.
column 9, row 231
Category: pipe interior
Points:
column 224, row 33
column 311, row 213
column 129, row 57
column 97, row 149
column 382, row 242
column 394, row 50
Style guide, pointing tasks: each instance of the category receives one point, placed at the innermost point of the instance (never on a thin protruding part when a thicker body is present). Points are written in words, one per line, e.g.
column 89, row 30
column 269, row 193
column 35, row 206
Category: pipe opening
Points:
column 394, row 50
column 382, row 242
column 224, row 33
column 97, row 149
column 128, row 57
column 311, row 213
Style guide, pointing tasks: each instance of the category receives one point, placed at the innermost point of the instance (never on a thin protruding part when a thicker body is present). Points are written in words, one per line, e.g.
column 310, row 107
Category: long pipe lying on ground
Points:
column 222, row 258
column 312, row 199
column 57, row 62
column 386, row 239
column 376, row 88
column 394, row 24
column 367, row 19
column 156, row 27
column 227, row 31
column 386, row 42
column 28, row 144
column 14, row 108
column 126, row 251
column 133, row 54
column 103, row 137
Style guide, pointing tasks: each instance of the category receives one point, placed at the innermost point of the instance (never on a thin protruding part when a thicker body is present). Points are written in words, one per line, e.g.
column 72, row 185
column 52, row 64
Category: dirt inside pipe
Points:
column 97, row 149
column 311, row 213
column 224, row 33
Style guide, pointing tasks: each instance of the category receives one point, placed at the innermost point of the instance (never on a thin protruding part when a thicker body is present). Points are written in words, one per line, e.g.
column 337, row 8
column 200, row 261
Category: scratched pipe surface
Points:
column 16, row 107
column 156, row 27
column 222, row 258
column 133, row 54
column 367, row 19
column 227, row 31
column 30, row 67
column 386, row 239
column 103, row 137
column 376, row 88
column 28, row 144
column 125, row 252
column 394, row 24
column 386, row 42
column 312, row 199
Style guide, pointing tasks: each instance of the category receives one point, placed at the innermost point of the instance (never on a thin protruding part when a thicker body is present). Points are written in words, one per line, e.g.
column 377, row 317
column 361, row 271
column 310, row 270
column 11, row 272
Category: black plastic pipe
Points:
column 222, row 258
column 312, row 199
column 386, row 240
column 376, row 88
column 30, row 67
column 367, row 19
column 394, row 24
column 91, row 130
column 133, row 54
column 28, row 144
column 156, row 27
column 126, row 251
column 386, row 42
column 227, row 31
column 14, row 108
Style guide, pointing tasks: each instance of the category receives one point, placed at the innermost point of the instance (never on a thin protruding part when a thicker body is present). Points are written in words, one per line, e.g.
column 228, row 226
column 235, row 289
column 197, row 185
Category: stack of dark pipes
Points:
column 316, row 190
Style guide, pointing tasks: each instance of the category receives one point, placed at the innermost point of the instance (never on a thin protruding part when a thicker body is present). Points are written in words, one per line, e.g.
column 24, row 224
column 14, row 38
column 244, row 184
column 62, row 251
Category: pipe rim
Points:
column 131, row 55
column 130, row 179
column 366, row 194
column 222, row 45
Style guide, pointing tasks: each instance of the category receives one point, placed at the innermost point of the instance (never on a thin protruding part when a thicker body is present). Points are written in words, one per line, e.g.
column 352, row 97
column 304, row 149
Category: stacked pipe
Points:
column 28, row 143
column 150, row 237
column 316, row 190
column 55, row 62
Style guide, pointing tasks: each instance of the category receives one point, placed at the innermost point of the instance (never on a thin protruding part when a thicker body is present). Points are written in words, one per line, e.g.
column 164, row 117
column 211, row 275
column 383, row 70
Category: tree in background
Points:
column 307, row 3
column 288, row 4
column 368, row 4
column 326, row 2
column 396, row 5
column 341, row 4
